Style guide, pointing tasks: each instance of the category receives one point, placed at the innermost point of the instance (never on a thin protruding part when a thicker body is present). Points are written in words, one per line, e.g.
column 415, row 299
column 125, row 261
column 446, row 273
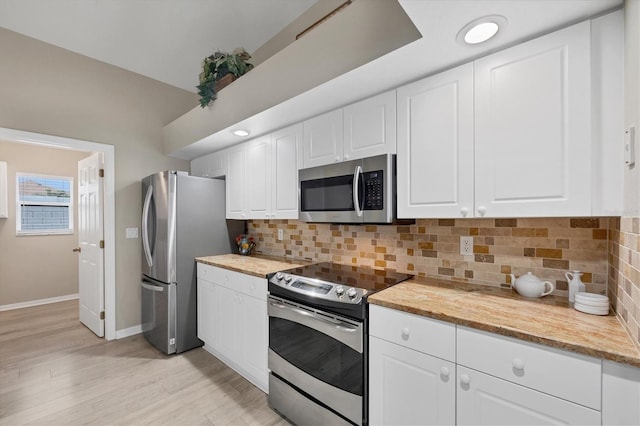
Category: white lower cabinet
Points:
column 486, row 400
column 407, row 387
column 232, row 320
column 411, row 369
column 424, row 371
column 206, row 299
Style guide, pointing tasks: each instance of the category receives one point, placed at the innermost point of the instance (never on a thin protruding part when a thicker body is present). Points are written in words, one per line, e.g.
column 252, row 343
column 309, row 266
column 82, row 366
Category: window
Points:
column 44, row 204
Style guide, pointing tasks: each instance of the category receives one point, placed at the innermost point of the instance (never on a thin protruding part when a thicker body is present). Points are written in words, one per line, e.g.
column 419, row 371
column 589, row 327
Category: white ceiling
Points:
column 162, row 39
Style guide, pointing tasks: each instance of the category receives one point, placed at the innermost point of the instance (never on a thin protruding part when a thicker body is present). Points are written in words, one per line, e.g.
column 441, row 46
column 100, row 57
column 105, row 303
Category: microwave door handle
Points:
column 356, row 190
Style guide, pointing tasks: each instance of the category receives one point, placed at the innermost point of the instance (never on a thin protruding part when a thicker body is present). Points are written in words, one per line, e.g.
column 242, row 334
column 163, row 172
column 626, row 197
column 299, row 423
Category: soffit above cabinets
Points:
column 334, row 65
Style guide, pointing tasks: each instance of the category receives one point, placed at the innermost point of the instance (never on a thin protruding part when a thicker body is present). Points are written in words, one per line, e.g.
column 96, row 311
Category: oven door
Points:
column 319, row 353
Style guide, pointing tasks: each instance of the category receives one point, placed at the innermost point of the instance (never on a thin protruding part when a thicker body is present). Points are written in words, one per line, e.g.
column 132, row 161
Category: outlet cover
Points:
column 131, row 232
column 280, row 234
column 466, row 245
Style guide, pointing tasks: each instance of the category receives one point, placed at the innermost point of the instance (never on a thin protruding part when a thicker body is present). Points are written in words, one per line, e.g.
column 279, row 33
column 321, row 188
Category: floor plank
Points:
column 54, row 371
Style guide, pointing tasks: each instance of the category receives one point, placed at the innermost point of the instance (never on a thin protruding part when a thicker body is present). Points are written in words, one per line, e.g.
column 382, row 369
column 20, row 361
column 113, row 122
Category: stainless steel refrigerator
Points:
column 183, row 217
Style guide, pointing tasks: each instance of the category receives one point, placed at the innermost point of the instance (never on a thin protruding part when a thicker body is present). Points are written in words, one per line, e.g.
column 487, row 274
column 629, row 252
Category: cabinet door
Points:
column 199, row 167
column 533, row 137
column 205, row 306
column 257, row 185
column 284, row 147
column 227, row 317
column 255, row 339
column 217, row 164
column 235, row 184
column 322, row 141
column 486, row 400
column 370, row 127
column 407, row 387
column 435, row 146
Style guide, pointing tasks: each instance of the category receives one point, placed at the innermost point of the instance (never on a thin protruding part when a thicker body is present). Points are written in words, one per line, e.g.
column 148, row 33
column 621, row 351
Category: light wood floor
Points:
column 54, row 371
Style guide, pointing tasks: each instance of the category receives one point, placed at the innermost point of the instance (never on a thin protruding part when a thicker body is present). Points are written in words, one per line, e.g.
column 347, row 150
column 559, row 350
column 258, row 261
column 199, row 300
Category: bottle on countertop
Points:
column 575, row 284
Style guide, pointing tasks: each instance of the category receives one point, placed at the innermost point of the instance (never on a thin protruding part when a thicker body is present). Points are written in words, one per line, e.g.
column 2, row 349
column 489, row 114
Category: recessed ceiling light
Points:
column 241, row 132
column 481, row 29
column 481, row 32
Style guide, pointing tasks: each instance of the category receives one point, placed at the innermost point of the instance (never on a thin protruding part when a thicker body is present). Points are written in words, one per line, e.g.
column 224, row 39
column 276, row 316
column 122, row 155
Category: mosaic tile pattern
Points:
column 548, row 247
column 624, row 272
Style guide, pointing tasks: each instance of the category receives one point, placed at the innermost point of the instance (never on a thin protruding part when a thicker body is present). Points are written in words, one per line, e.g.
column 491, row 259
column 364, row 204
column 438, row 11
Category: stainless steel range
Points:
column 318, row 341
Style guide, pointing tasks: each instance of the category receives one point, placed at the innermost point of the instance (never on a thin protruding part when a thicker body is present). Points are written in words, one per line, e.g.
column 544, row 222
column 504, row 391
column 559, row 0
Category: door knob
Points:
column 77, row 249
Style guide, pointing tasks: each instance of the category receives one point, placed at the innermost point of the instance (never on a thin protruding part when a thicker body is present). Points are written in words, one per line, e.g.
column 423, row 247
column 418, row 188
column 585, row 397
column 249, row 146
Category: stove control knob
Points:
column 339, row 290
column 279, row 276
column 288, row 278
column 352, row 293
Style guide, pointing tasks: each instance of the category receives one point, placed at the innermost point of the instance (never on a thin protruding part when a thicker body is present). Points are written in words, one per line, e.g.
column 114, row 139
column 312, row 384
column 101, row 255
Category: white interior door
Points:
column 90, row 236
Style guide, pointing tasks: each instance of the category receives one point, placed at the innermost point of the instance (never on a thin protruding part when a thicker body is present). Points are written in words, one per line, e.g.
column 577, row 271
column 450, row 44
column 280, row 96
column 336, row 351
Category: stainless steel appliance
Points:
column 183, row 217
column 318, row 341
column 358, row 191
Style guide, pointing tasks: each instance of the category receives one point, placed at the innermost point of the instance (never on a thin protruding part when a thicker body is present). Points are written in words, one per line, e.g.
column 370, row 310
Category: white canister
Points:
column 575, row 284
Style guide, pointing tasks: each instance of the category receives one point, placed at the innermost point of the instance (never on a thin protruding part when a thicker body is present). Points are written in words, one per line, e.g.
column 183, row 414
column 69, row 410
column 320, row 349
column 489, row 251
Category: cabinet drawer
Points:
column 485, row 400
column 567, row 375
column 426, row 335
column 243, row 283
column 204, row 271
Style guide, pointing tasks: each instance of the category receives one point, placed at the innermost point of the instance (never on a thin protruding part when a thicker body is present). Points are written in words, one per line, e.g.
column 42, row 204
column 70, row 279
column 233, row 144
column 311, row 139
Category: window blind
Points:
column 45, row 204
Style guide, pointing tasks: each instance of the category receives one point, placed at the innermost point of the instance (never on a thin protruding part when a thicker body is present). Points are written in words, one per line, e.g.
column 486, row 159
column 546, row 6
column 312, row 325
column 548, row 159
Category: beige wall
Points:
column 50, row 90
column 40, row 266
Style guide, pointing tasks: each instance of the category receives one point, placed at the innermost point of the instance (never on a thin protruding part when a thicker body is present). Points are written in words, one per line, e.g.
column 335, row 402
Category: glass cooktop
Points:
column 362, row 277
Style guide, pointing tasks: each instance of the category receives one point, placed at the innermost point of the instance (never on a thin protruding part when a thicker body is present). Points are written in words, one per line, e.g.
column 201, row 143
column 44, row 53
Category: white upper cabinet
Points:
column 284, row 148
column 235, row 183
column 359, row 130
column 257, row 186
column 262, row 177
column 212, row 165
column 532, row 127
column 322, row 140
column 530, row 131
column 370, row 127
column 435, row 145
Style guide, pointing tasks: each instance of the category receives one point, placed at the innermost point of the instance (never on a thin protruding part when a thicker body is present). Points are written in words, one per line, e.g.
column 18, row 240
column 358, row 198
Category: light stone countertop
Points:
column 257, row 264
column 549, row 321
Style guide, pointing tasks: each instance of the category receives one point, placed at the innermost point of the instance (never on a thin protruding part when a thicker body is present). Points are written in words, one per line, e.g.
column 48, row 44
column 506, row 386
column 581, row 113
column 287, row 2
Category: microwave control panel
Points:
column 373, row 190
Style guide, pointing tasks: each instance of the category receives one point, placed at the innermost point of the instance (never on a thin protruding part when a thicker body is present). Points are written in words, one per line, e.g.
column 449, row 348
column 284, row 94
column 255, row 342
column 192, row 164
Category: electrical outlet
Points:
column 466, row 245
column 280, row 234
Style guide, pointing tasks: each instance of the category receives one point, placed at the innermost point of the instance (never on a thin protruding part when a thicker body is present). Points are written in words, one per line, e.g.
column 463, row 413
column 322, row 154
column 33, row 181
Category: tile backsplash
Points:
column 624, row 271
column 548, row 247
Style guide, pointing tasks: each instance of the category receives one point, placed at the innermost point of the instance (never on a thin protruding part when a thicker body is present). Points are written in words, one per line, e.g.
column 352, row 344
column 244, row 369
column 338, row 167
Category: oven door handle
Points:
column 349, row 334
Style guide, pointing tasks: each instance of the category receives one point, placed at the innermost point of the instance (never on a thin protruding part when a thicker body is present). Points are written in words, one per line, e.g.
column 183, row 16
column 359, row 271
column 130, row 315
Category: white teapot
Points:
column 529, row 285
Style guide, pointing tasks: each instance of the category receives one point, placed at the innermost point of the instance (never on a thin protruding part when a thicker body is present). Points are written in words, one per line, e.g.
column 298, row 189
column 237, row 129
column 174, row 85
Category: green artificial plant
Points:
column 217, row 66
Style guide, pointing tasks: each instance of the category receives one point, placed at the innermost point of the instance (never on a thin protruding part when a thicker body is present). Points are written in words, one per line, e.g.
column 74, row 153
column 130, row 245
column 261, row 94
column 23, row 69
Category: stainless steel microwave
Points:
column 358, row 191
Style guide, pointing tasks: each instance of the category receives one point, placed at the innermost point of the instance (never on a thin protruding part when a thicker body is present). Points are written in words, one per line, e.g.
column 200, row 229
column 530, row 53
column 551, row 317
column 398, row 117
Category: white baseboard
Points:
column 126, row 332
column 39, row 302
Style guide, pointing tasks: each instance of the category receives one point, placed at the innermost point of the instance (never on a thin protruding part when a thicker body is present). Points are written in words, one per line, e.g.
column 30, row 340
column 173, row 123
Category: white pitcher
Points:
column 575, row 284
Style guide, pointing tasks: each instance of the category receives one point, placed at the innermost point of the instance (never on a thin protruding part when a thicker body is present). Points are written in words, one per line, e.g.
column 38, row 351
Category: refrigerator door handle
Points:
column 152, row 287
column 145, row 229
